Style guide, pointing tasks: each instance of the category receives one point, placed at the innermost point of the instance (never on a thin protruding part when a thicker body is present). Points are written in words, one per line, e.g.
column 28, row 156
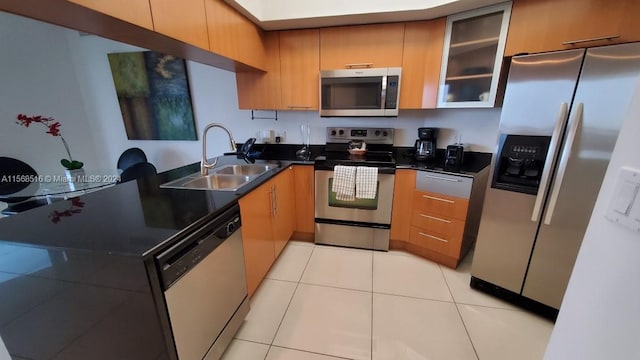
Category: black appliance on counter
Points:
column 454, row 157
column 425, row 146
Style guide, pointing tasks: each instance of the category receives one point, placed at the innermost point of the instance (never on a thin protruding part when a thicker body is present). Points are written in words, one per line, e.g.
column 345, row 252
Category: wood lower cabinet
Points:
column 421, row 61
column 284, row 220
column 546, row 25
column 304, row 188
column 436, row 215
column 256, row 210
column 405, row 183
column 437, row 225
column 267, row 225
column 183, row 20
column 137, row 12
column 378, row 45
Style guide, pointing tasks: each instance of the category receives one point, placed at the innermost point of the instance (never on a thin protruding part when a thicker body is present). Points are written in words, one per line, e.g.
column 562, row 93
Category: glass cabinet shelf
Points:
column 472, row 57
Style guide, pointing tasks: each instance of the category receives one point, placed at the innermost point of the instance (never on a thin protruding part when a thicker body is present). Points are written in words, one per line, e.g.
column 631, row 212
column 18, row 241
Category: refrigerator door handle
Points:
column 562, row 168
column 551, row 153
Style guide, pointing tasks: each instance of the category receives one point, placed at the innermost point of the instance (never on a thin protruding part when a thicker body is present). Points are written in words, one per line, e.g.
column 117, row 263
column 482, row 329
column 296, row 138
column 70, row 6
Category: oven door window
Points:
column 352, row 93
column 364, row 204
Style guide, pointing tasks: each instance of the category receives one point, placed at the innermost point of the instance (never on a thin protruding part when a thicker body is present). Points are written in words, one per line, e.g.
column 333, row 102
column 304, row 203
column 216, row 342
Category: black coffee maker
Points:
column 425, row 147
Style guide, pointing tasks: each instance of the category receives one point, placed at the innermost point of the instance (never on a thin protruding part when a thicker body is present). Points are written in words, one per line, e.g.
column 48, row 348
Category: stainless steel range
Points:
column 360, row 222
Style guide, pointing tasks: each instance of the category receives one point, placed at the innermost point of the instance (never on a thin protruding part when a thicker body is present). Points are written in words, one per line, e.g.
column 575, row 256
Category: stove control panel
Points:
column 369, row 135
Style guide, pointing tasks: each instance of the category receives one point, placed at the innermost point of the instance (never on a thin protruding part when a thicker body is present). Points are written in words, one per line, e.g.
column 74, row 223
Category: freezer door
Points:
column 602, row 99
column 539, row 90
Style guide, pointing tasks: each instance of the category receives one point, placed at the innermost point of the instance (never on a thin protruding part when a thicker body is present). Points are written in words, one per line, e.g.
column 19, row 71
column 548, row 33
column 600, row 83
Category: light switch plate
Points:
column 624, row 206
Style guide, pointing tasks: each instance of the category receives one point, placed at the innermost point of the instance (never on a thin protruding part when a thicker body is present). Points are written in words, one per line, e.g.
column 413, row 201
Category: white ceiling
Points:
column 296, row 14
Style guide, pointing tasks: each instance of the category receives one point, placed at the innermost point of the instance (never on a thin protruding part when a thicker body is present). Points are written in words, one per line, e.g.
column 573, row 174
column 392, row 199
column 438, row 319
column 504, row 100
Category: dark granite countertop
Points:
column 134, row 218
column 474, row 162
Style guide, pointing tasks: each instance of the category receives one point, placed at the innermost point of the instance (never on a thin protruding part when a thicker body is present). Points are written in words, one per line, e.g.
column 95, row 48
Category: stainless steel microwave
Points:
column 360, row 92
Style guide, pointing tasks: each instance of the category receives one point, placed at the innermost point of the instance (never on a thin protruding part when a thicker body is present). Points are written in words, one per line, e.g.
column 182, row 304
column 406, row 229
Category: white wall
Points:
column 600, row 314
column 57, row 72
column 38, row 79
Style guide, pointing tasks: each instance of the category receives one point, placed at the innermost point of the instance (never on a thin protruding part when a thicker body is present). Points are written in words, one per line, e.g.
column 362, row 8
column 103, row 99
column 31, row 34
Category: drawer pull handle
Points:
column 441, row 178
column 572, row 42
column 433, row 237
column 439, row 199
column 435, row 218
column 358, row 65
column 299, row 107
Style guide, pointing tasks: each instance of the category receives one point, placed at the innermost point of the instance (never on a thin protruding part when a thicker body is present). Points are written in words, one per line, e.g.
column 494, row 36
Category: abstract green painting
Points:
column 153, row 93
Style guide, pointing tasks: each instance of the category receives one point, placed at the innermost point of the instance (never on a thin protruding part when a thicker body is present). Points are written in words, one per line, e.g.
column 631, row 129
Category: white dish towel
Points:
column 366, row 182
column 344, row 181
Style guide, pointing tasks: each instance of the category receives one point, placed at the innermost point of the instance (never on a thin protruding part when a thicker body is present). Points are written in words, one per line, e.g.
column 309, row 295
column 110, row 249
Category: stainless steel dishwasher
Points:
column 205, row 287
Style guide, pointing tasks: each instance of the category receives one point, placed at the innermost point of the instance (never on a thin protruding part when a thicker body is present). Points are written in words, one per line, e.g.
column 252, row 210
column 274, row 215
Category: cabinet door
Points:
column 234, row 36
column 299, row 68
column 421, row 61
column 472, row 57
column 304, row 198
column 405, row 183
column 256, row 210
column 134, row 11
column 261, row 90
column 182, row 20
column 284, row 221
column 547, row 25
column 377, row 45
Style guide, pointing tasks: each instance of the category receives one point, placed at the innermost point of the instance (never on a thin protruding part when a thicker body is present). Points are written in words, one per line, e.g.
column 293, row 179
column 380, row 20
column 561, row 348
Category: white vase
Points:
column 74, row 178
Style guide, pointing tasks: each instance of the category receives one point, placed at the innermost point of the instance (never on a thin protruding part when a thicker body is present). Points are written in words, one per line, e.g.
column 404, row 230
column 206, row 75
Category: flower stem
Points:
column 66, row 147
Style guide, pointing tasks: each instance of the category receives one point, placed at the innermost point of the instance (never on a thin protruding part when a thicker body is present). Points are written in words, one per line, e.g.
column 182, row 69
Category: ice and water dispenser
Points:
column 519, row 163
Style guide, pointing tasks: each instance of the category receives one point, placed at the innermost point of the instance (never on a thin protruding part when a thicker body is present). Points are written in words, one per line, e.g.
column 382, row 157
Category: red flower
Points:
column 54, row 129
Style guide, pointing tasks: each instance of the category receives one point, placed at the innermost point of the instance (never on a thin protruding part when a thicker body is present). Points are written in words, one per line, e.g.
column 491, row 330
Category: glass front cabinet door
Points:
column 472, row 57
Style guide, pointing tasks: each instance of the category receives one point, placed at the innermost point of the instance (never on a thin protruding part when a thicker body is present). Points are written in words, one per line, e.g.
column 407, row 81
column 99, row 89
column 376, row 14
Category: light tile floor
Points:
column 323, row 303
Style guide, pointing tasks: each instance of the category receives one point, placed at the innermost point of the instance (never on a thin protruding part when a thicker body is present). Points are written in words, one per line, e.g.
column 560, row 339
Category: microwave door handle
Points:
column 383, row 98
column 562, row 168
column 551, row 154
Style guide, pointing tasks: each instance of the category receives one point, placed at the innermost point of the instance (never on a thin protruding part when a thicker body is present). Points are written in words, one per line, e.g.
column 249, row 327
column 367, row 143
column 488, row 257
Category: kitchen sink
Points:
column 226, row 178
column 244, row 169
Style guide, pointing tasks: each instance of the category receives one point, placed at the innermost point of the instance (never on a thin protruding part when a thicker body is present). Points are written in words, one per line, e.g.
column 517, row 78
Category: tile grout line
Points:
column 372, row 270
column 290, row 301
column 459, row 314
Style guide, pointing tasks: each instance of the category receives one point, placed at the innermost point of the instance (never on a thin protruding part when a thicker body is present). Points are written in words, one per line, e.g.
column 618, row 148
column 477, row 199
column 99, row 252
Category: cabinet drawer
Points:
column 439, row 204
column 434, row 223
column 452, row 185
column 436, row 242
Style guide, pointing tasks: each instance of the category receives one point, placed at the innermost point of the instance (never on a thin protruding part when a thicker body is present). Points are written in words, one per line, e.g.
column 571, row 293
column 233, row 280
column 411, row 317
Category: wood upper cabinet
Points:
column 421, row 61
column 544, row 25
column 405, row 183
column 378, row 45
column 261, row 90
column 256, row 210
column 233, row 35
column 299, row 68
column 136, row 12
column 284, row 220
column 472, row 57
column 304, row 198
column 183, row 20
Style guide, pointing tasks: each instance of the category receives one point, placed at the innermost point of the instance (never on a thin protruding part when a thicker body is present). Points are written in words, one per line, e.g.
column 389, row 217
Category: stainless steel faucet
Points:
column 204, row 166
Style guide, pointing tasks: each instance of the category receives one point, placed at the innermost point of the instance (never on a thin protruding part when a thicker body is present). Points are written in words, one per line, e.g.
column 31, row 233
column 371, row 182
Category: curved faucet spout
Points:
column 204, row 165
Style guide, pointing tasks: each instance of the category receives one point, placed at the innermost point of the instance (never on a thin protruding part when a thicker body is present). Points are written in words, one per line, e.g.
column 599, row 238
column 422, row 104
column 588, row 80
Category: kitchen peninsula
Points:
column 85, row 285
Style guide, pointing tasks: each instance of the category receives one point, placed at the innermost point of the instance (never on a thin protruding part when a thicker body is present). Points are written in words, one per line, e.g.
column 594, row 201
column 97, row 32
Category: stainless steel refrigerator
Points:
column 560, row 120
